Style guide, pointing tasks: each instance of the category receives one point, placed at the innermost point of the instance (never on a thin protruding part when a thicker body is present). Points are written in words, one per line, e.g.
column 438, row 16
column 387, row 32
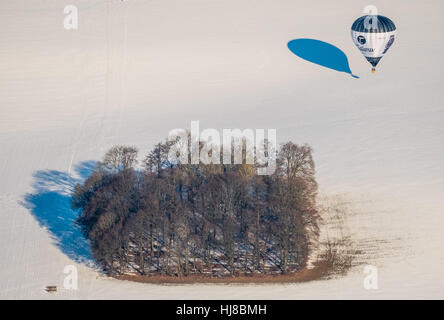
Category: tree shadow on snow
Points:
column 321, row 53
column 50, row 204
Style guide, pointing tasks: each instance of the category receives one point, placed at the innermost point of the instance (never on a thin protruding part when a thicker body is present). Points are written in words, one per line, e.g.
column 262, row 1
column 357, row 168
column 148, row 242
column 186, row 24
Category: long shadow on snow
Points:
column 321, row 53
column 50, row 204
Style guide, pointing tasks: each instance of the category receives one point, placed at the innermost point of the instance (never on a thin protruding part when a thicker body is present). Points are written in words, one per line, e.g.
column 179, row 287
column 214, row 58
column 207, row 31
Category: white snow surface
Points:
column 134, row 70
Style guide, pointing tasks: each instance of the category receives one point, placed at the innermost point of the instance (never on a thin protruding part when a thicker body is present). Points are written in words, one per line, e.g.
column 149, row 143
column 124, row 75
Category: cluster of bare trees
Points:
column 212, row 220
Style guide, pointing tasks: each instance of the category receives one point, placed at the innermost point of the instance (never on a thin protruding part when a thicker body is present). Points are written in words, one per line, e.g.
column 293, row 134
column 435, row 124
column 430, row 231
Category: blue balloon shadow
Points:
column 321, row 53
column 50, row 204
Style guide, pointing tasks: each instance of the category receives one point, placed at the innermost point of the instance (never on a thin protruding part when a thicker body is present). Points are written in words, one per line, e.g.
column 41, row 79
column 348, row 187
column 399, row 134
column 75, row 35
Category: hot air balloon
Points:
column 373, row 34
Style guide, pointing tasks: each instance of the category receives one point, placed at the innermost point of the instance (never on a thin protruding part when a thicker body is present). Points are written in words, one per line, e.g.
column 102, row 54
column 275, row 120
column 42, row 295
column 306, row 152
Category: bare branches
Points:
column 206, row 219
column 120, row 158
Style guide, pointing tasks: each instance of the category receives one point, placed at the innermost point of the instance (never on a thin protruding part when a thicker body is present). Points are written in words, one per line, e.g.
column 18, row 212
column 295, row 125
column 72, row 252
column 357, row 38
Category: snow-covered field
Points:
column 136, row 69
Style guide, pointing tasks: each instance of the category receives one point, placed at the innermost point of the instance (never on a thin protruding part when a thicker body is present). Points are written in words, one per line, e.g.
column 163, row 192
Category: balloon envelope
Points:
column 373, row 35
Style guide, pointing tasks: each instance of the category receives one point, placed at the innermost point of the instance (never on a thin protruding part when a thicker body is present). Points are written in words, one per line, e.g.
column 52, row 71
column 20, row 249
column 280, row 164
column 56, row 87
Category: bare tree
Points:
column 120, row 158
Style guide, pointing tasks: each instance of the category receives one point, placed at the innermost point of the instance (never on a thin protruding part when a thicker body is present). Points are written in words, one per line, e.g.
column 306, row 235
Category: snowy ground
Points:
column 134, row 70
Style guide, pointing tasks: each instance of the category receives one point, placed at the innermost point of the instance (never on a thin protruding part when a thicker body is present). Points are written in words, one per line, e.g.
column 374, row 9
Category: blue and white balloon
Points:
column 373, row 34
